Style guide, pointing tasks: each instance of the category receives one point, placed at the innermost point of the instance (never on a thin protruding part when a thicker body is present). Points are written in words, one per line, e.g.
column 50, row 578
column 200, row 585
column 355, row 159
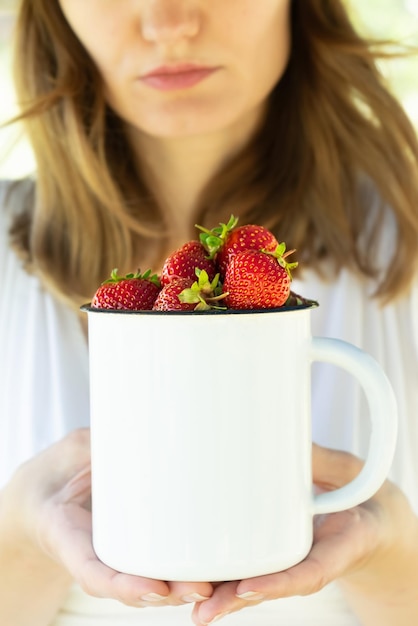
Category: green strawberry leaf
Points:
column 202, row 306
column 203, row 293
column 211, row 243
column 280, row 254
column 190, row 296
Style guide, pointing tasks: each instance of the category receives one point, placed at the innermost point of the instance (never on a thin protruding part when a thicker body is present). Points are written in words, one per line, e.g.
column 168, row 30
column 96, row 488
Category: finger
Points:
column 342, row 541
column 99, row 580
column 67, row 457
column 78, row 489
column 332, row 469
column 71, row 545
column 223, row 601
column 189, row 592
column 74, row 447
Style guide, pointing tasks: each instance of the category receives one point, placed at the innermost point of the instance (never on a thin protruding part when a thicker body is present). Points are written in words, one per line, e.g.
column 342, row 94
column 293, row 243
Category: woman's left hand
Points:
column 372, row 549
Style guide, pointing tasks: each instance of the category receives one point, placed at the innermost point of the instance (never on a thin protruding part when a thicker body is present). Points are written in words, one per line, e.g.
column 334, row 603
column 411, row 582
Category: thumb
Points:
column 75, row 467
column 65, row 459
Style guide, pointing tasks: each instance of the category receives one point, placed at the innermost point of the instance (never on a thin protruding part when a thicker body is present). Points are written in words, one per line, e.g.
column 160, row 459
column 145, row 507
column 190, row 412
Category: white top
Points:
column 44, row 394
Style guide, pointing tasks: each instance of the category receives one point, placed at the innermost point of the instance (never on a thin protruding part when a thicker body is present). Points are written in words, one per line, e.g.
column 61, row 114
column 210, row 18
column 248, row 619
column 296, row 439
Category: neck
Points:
column 178, row 169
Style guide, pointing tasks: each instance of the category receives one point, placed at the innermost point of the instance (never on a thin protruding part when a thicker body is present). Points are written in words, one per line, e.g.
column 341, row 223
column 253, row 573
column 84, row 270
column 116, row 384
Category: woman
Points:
column 146, row 117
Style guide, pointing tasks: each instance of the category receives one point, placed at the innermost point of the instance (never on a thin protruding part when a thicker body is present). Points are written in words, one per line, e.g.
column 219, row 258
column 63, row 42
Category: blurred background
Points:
column 384, row 19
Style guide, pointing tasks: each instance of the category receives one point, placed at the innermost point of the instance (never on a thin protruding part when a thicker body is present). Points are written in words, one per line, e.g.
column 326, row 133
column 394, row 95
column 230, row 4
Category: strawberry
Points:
column 184, row 294
column 183, row 263
column 133, row 292
column 226, row 240
column 168, row 298
column 258, row 279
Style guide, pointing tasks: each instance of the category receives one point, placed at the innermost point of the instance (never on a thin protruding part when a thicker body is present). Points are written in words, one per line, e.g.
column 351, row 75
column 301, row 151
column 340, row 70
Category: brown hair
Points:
column 331, row 124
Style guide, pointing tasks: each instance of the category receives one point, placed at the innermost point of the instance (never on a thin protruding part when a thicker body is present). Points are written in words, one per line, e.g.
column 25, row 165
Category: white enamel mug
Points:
column 201, row 440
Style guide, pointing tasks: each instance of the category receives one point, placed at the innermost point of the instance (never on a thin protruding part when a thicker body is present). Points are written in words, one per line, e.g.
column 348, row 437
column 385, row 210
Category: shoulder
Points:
column 16, row 206
column 16, row 203
column 16, row 195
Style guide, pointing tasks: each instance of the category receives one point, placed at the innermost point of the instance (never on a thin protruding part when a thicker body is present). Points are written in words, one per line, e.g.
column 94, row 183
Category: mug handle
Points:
column 383, row 416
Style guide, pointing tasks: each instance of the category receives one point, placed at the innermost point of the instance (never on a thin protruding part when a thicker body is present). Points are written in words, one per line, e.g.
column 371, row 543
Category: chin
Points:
column 178, row 131
column 186, row 118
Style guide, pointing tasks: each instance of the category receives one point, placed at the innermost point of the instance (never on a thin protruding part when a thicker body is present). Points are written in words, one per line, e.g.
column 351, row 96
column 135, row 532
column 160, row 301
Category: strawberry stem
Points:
column 115, row 278
column 280, row 254
column 213, row 239
column 203, row 292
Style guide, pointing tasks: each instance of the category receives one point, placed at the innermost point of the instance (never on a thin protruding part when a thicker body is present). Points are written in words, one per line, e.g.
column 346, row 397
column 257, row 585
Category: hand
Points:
column 366, row 547
column 47, row 506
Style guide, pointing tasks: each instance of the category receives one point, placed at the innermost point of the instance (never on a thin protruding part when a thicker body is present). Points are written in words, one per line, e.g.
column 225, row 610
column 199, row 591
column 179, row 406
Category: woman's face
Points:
column 173, row 68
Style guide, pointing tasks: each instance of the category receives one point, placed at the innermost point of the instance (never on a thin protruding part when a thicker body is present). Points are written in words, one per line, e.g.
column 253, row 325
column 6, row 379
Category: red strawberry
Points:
column 168, row 298
column 183, row 263
column 225, row 241
column 258, row 280
column 248, row 237
column 184, row 294
column 133, row 292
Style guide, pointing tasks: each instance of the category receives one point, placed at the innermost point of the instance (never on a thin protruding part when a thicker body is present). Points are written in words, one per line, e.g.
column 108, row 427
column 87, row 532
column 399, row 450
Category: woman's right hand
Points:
column 46, row 508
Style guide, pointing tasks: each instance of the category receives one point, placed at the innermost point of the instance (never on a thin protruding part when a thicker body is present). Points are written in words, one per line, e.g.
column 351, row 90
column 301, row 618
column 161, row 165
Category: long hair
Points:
column 331, row 123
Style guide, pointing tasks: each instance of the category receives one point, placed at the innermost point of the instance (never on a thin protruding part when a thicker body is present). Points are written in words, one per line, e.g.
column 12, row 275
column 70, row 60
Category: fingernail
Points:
column 153, row 597
column 194, row 597
column 217, row 618
column 251, row 595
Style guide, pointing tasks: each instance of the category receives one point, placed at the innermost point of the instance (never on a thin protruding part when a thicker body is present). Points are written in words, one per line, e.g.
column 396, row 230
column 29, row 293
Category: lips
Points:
column 172, row 77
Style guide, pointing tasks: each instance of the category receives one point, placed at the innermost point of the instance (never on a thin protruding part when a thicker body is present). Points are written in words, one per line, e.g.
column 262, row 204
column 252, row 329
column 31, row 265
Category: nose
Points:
column 166, row 21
